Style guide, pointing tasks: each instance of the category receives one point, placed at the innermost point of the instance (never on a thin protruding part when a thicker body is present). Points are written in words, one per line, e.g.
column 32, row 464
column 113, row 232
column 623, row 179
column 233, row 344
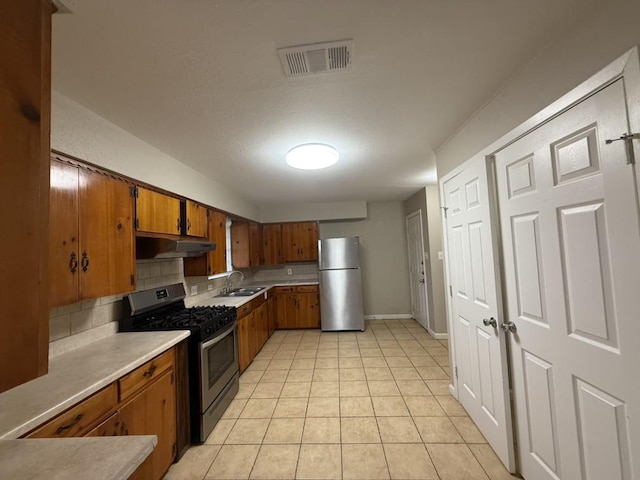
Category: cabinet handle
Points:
column 68, row 426
column 178, row 224
column 85, row 261
column 151, row 371
column 188, row 224
column 73, row 262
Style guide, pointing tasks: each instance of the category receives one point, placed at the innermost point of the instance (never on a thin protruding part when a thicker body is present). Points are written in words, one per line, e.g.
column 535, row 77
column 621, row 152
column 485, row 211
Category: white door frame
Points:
column 626, row 67
column 425, row 265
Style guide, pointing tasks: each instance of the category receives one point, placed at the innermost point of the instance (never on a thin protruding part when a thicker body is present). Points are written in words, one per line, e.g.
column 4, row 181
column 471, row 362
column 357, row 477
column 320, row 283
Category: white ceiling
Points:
column 201, row 81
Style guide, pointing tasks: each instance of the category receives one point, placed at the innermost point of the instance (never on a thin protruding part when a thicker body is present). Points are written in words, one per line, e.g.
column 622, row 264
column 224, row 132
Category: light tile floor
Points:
column 348, row 405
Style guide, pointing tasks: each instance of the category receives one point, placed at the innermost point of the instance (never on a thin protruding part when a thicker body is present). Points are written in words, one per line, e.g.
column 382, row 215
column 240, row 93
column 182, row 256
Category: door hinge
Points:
column 628, row 139
column 450, row 291
column 174, row 449
column 133, row 279
column 444, row 211
column 172, row 378
column 133, row 191
column 137, row 223
column 455, row 369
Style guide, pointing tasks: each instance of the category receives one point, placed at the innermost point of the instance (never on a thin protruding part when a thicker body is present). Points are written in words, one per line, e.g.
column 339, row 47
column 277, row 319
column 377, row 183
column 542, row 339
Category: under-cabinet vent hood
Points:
column 316, row 58
column 154, row 247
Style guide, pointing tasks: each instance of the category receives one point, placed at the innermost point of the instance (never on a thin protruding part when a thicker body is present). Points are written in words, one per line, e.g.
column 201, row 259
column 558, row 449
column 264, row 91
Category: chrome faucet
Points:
column 228, row 284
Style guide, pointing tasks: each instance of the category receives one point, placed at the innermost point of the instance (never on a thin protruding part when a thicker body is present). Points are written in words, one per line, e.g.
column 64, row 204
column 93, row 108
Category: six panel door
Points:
column 569, row 215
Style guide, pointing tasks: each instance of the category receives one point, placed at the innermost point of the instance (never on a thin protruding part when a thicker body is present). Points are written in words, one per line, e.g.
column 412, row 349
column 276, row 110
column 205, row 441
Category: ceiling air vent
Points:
column 316, row 58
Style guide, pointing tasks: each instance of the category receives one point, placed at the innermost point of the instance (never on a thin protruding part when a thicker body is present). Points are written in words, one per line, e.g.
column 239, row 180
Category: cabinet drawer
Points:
column 79, row 420
column 145, row 374
column 244, row 310
column 307, row 289
column 279, row 290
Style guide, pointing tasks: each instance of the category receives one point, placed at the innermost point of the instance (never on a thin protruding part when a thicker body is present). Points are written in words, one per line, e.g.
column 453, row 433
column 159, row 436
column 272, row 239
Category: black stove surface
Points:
column 203, row 322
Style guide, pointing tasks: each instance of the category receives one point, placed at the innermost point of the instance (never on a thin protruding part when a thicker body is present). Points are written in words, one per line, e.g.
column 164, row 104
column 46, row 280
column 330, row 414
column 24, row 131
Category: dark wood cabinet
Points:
column 246, row 244
column 216, row 260
column 272, row 244
column 157, row 212
column 253, row 330
column 195, row 219
column 297, row 307
column 25, row 112
column 91, row 247
column 245, row 342
column 300, row 242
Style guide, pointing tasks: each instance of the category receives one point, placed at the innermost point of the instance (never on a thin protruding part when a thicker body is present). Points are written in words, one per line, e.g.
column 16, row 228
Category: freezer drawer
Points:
column 341, row 305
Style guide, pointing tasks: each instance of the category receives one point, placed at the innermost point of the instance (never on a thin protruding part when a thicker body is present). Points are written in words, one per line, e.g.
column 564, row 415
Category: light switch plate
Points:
column 440, row 256
column 194, row 290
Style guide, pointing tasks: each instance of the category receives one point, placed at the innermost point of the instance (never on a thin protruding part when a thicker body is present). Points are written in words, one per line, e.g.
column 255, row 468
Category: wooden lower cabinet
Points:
column 253, row 330
column 148, row 407
column 297, row 307
column 153, row 410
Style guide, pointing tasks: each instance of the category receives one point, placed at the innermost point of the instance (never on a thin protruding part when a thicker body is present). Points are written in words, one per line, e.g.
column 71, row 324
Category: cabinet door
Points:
column 240, row 244
column 153, row 412
column 300, row 241
column 271, row 314
column 291, row 310
column 308, row 310
column 262, row 326
column 111, row 427
column 244, row 348
column 25, row 96
column 218, row 235
column 272, row 244
column 64, row 249
column 253, row 335
column 196, row 219
column 107, row 259
column 255, row 245
column 157, row 213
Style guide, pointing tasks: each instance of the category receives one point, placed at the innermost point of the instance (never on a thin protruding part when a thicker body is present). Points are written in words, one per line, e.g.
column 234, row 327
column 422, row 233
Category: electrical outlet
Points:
column 194, row 290
column 209, row 287
column 289, row 272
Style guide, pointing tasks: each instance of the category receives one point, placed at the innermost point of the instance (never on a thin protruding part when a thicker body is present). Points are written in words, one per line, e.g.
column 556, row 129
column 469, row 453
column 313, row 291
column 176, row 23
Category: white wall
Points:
column 82, row 133
column 383, row 253
column 300, row 212
column 597, row 36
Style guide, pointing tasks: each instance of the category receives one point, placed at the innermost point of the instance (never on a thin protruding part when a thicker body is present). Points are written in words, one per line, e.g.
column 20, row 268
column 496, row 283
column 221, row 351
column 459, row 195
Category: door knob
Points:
column 421, row 280
column 508, row 327
column 490, row 322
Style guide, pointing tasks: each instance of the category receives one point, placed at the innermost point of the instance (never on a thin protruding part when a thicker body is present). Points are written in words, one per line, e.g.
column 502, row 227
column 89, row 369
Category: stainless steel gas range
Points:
column 213, row 348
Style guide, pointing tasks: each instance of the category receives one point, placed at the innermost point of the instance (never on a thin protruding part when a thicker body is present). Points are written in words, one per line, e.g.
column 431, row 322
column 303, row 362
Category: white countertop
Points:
column 239, row 301
column 75, row 375
column 98, row 458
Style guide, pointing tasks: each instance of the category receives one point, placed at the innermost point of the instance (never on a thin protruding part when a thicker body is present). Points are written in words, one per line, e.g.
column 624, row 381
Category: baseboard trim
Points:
column 452, row 391
column 388, row 317
column 438, row 336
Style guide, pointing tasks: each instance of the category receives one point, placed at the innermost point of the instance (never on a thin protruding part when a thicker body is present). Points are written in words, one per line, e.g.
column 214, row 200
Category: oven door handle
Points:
column 219, row 337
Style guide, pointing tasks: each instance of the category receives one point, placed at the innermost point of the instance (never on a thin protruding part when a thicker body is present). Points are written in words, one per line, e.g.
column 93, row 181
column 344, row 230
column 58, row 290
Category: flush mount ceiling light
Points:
column 312, row 156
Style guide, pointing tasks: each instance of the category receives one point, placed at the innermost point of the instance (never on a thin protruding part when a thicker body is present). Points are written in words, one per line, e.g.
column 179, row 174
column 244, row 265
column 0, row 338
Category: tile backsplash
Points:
column 71, row 326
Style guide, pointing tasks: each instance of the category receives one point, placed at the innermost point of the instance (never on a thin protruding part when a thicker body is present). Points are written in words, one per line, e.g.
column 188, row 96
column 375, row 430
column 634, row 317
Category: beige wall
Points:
column 299, row 212
column 82, row 133
column 597, row 36
column 383, row 253
column 434, row 217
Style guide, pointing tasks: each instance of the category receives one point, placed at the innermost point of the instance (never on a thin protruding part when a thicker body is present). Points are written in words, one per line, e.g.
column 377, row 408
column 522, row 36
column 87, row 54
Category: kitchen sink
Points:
column 242, row 292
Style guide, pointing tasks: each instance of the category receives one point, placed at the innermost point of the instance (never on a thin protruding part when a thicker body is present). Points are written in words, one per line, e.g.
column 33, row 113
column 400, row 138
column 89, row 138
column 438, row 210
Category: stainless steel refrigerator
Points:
column 341, row 306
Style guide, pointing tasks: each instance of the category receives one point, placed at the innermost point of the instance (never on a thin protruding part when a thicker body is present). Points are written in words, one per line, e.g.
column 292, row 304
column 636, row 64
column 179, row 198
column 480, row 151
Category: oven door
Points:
column 218, row 364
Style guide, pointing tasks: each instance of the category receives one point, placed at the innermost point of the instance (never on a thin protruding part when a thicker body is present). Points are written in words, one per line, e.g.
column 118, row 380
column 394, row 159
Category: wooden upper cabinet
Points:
column 216, row 260
column 196, row 219
column 272, row 244
column 157, row 213
column 240, row 244
column 255, row 245
column 64, row 241
column 107, row 258
column 218, row 235
column 300, row 242
column 25, row 112
column 91, row 247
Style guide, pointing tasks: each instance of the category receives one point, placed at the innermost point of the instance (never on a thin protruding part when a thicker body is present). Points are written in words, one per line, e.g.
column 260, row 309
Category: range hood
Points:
column 157, row 247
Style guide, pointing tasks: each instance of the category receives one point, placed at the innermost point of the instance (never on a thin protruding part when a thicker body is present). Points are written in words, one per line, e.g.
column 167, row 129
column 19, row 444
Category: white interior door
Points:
column 569, row 216
column 480, row 347
column 417, row 268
